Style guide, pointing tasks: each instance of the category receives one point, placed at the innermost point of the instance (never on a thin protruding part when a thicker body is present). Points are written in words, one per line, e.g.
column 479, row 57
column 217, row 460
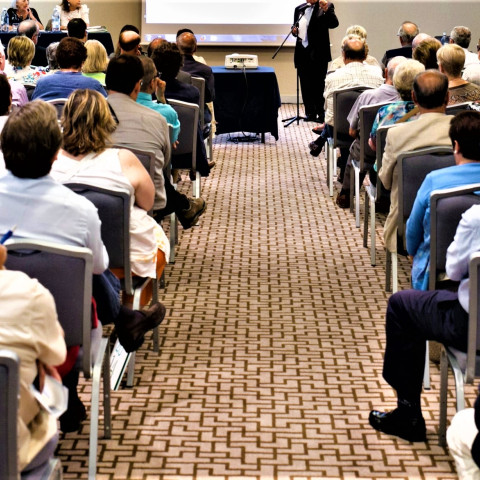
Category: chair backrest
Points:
column 114, row 212
column 58, row 103
column 9, row 391
column 65, row 271
column 413, row 167
column 474, row 317
column 446, row 209
column 188, row 115
column 366, row 116
column 457, row 108
column 147, row 158
column 343, row 101
column 200, row 84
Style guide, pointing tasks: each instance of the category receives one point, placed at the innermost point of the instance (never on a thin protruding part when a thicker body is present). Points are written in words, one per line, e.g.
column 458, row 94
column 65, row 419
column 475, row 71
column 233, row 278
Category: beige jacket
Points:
column 430, row 129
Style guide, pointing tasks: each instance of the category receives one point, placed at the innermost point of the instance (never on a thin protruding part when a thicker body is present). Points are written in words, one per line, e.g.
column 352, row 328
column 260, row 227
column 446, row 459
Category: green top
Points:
column 100, row 76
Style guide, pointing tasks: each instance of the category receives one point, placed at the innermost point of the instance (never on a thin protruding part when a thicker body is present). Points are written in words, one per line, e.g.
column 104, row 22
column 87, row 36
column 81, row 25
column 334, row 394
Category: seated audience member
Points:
column 412, row 318
column 461, row 36
column 125, row 28
column 426, row 52
column 19, row 94
column 84, row 158
column 354, row 73
column 464, row 134
column 450, row 60
column 29, row 327
column 472, row 71
column 187, row 44
column 406, row 33
column 70, row 9
column 419, row 39
column 142, row 128
column 430, row 95
column 5, row 105
column 129, row 42
column 152, row 84
column 384, row 93
column 402, row 110
column 168, row 60
column 96, row 63
column 52, row 57
column 20, row 11
column 71, row 54
column 77, row 28
column 182, row 76
column 464, row 442
column 20, row 52
column 369, row 60
column 30, row 29
column 44, row 209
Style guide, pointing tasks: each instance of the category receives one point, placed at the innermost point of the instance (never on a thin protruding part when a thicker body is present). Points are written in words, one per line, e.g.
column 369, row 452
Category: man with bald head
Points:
column 29, row 28
column 430, row 95
column 182, row 76
column 406, row 33
column 354, row 74
column 129, row 43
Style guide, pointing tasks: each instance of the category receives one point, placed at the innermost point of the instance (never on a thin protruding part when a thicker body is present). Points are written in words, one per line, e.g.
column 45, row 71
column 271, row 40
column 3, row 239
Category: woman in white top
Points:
column 70, row 9
column 87, row 124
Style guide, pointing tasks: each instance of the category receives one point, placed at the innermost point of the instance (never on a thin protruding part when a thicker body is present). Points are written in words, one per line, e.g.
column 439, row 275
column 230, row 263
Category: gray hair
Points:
column 404, row 75
column 461, row 36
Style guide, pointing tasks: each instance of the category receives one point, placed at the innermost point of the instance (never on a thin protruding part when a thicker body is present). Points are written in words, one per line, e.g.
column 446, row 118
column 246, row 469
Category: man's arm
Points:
column 466, row 242
column 389, row 162
column 332, row 20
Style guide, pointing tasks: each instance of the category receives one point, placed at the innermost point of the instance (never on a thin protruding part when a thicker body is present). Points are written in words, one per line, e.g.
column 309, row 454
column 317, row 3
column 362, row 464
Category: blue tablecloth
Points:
column 246, row 101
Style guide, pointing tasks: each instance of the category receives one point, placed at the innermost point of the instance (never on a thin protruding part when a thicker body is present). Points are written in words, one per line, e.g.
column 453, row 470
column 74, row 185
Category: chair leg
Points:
column 442, row 424
column 357, row 198
column 388, row 269
column 365, row 220
column 173, row 237
column 373, row 240
column 426, row 372
column 331, row 162
column 394, row 272
column 131, row 370
column 107, row 411
column 352, row 188
column 197, row 186
column 155, row 300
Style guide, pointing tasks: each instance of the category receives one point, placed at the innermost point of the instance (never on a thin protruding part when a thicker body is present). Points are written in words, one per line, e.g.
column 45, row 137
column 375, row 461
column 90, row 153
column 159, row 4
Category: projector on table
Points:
column 238, row 60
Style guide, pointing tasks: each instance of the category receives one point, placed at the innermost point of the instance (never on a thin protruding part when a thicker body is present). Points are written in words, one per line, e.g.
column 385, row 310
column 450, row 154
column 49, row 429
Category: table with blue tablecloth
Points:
column 46, row 38
column 246, row 100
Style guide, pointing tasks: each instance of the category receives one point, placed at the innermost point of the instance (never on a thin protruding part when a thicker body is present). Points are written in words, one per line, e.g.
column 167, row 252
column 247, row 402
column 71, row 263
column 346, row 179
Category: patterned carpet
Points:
column 271, row 352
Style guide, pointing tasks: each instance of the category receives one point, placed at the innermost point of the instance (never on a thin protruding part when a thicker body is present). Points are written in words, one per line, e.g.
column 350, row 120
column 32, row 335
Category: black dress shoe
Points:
column 315, row 149
column 396, row 423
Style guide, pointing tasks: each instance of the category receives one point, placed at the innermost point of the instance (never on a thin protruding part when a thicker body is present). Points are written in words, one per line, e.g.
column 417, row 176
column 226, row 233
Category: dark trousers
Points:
column 105, row 291
column 327, row 132
column 413, row 317
column 176, row 201
column 312, row 83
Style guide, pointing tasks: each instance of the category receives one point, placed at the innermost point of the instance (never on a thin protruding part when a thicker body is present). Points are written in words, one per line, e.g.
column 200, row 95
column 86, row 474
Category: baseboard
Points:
column 290, row 99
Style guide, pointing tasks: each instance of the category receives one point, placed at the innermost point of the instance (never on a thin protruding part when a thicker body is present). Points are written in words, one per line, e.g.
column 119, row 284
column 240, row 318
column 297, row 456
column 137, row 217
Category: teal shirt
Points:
column 166, row 111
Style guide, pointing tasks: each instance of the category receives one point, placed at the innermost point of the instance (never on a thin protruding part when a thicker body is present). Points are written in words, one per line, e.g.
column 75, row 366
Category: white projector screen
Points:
column 221, row 22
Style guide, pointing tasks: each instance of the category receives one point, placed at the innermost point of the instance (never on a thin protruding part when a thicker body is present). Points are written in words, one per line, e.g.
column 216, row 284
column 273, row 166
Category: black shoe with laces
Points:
column 399, row 424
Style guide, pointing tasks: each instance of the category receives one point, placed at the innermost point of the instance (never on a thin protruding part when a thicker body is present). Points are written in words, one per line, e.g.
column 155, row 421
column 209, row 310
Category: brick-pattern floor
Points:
column 271, row 353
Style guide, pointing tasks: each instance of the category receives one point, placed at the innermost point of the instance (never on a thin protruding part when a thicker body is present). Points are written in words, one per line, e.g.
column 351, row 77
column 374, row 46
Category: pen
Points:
column 7, row 235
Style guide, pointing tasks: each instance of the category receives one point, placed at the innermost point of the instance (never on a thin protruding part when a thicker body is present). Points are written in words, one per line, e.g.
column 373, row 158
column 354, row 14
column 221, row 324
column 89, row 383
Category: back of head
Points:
column 187, row 43
column 183, row 30
column 51, row 53
column 129, row 42
column 168, row 60
column 21, row 51
column 407, row 32
column 420, row 38
column 404, row 76
column 461, row 36
column 123, row 73
column 5, row 95
column 28, row 28
column 430, row 89
column 77, row 28
column 30, row 140
column 465, row 129
column 451, row 58
column 86, row 122
column 97, row 59
column 71, row 53
column 426, row 52
column 357, row 30
column 149, row 73
column 156, row 42
column 353, row 48
column 131, row 28
column 392, row 65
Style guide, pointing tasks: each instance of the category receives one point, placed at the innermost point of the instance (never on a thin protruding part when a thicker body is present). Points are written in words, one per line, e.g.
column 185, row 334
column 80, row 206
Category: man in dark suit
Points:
column 312, row 20
column 29, row 28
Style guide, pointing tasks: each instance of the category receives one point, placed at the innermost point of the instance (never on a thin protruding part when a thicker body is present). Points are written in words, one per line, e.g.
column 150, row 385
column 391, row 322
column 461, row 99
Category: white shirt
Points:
column 81, row 12
column 466, row 242
column 46, row 210
column 354, row 74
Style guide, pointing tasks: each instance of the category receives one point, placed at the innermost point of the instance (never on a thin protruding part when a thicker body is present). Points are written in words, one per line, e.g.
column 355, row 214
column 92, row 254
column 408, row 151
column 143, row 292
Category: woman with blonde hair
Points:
column 96, row 63
column 21, row 51
column 86, row 158
column 450, row 59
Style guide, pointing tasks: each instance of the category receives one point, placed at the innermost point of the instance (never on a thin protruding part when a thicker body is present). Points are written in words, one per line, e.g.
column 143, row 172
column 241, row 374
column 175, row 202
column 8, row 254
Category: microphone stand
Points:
column 297, row 118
